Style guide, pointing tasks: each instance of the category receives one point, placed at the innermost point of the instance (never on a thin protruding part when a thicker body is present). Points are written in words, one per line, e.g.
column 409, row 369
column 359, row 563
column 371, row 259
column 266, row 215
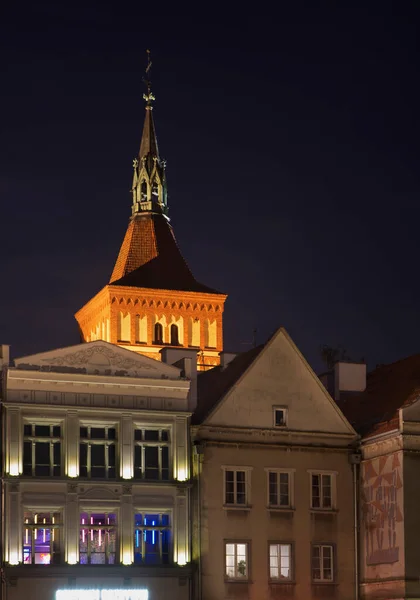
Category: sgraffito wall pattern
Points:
column 382, row 512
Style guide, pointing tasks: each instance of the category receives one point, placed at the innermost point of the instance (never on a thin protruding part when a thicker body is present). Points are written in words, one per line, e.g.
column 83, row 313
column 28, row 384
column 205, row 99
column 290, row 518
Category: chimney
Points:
column 186, row 360
column 4, row 355
column 226, row 358
column 349, row 377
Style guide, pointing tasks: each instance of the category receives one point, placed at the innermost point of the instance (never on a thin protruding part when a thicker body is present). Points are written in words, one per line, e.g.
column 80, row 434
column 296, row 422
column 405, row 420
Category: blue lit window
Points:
column 152, row 539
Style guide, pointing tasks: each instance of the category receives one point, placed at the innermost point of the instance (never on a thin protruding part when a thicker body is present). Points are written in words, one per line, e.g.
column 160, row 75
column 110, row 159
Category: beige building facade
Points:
column 96, row 471
column 275, row 504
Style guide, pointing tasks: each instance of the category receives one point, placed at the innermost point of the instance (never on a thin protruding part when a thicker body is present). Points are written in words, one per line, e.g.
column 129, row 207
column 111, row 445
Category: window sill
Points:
column 123, row 342
column 281, row 509
column 326, row 583
column 244, row 580
column 246, row 507
column 282, row 582
column 323, row 511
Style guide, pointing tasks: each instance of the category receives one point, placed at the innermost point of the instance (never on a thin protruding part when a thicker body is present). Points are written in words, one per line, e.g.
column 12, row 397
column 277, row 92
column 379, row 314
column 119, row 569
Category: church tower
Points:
column 152, row 300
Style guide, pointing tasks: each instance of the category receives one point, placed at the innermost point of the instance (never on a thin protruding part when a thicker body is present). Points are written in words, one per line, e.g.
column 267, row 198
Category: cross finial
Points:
column 148, row 96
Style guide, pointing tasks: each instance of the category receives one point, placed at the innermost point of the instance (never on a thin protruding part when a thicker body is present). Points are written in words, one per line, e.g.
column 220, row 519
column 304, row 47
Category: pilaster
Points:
column 72, row 445
column 127, row 449
column 72, row 525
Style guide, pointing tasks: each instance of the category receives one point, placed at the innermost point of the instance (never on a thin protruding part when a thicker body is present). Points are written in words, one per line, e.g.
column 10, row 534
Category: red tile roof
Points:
column 389, row 388
column 150, row 258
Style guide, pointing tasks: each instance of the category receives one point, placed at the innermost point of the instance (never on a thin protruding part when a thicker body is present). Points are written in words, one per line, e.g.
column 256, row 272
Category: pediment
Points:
column 99, row 493
column 98, row 358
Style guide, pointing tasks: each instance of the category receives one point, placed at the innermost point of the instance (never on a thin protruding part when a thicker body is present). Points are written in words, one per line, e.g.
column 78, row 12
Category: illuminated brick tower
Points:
column 152, row 299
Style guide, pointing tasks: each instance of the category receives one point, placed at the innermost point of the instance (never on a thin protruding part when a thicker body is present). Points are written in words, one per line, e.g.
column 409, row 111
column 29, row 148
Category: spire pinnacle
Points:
column 147, row 79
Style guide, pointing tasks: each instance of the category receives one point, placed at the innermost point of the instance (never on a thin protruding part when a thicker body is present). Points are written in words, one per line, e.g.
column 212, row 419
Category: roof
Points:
column 150, row 258
column 214, row 384
column 388, row 388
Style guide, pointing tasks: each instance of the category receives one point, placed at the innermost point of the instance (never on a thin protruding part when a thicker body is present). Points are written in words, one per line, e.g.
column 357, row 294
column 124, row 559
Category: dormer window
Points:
column 280, row 417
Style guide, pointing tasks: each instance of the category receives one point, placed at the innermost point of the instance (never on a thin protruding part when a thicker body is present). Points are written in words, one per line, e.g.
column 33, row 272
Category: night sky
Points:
column 292, row 148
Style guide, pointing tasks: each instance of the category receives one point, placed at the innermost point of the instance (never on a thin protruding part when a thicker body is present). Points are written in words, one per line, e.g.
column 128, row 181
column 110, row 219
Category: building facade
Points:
column 275, row 503
column 96, row 471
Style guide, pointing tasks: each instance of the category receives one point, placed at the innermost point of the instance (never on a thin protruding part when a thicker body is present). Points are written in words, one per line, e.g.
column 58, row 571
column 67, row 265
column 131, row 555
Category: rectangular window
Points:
column 236, row 560
column 280, row 417
column 42, row 450
column 151, row 454
column 97, row 452
column 280, row 489
column 322, row 563
column 281, row 561
column 152, row 539
column 322, row 490
column 41, row 538
column 235, row 487
column 98, row 538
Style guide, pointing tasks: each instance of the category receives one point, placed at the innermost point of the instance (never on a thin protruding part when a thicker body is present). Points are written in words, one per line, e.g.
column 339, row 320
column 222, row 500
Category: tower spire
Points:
column 149, row 180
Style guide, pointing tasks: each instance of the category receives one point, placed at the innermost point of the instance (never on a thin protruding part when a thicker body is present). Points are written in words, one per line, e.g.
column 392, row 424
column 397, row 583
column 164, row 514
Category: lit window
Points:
column 97, row 452
column 97, row 541
column 279, row 489
column 322, row 490
column 322, row 563
column 280, row 561
column 236, row 487
column 42, row 450
column 280, row 417
column 236, row 560
column 151, row 454
column 152, row 538
column 41, row 538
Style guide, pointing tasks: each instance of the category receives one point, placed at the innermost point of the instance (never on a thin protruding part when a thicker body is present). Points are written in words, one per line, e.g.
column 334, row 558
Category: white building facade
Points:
column 96, row 475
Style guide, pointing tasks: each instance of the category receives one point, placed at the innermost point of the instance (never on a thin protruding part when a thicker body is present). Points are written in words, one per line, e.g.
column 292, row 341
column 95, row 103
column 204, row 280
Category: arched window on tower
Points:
column 174, row 335
column 143, row 191
column 155, row 191
column 158, row 334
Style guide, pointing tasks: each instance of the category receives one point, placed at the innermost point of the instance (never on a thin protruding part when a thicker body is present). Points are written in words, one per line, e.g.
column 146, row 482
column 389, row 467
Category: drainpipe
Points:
column 355, row 462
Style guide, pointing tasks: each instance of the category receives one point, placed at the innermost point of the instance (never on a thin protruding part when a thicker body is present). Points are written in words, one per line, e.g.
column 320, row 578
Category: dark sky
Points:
column 292, row 142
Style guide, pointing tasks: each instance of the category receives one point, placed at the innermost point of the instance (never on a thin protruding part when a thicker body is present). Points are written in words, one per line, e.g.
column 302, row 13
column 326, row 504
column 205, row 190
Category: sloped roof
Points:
column 214, row 384
column 388, row 388
column 150, row 258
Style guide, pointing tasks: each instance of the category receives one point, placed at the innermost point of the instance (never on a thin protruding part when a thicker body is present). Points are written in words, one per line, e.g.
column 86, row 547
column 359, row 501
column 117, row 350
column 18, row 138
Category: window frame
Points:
column 235, row 505
column 150, row 443
column 105, row 511
column 291, row 485
column 158, row 340
column 59, row 555
column 236, row 542
column 323, row 580
column 51, row 440
column 286, row 417
column 291, row 566
column 333, row 488
column 160, row 511
column 106, row 442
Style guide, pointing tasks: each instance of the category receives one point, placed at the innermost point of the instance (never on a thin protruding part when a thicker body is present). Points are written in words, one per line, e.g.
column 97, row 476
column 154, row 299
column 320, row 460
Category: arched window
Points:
column 155, row 189
column 158, row 333
column 143, row 191
column 174, row 335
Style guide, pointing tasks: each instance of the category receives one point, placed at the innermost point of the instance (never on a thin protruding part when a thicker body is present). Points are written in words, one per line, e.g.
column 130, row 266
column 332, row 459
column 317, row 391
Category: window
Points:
column 280, row 489
column 322, row 490
column 280, row 417
column 158, row 333
column 42, row 450
column 174, row 335
column 155, row 188
column 143, row 192
column 151, row 454
column 97, row 452
column 98, row 538
column 236, row 487
column 280, row 561
column 41, row 538
column 236, row 560
column 152, row 537
column 322, row 563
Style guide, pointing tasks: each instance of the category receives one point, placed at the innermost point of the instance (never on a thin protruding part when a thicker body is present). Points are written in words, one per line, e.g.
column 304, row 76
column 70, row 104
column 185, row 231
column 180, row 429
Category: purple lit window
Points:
column 98, row 538
column 41, row 538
